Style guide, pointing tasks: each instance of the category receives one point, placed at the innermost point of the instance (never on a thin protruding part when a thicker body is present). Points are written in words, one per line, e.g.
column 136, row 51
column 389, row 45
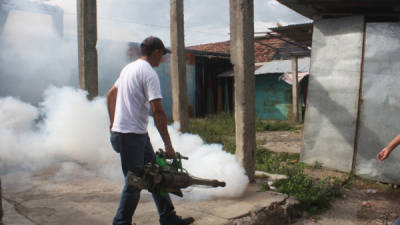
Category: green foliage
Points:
column 216, row 129
column 264, row 186
column 315, row 196
column 275, row 125
column 356, row 181
column 317, row 165
column 274, row 162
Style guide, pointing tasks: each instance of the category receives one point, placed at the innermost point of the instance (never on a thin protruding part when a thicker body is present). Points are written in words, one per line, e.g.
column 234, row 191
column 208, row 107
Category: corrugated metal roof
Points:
column 276, row 66
column 300, row 33
column 207, row 53
column 284, row 66
column 292, row 26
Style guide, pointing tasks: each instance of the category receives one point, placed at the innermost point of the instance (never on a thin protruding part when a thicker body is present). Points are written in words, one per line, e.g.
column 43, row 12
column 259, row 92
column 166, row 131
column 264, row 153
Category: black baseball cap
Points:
column 151, row 43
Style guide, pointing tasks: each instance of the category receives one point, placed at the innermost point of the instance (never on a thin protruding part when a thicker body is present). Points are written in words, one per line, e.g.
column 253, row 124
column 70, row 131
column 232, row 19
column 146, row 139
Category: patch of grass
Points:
column 317, row 165
column 215, row 129
column 221, row 129
column 274, row 162
column 275, row 125
column 315, row 195
column 364, row 183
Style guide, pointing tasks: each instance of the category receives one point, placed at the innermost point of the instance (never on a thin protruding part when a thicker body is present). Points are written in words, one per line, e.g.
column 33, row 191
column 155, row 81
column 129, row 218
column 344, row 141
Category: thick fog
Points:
column 47, row 122
column 69, row 133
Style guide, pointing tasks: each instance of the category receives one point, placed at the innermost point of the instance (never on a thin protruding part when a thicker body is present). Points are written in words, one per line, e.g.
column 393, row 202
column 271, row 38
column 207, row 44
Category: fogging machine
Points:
column 166, row 175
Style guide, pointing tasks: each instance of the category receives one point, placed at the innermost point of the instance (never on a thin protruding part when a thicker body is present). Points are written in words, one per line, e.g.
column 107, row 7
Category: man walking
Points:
column 128, row 103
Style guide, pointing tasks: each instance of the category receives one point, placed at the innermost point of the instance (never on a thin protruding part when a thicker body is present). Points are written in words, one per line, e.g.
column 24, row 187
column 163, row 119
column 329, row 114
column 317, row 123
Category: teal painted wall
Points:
column 273, row 98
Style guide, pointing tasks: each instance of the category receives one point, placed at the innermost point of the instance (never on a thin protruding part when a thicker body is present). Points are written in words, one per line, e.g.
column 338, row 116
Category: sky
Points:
column 206, row 21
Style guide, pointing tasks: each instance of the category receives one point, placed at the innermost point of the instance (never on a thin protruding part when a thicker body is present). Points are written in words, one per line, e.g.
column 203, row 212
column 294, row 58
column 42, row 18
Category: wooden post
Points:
column 178, row 65
column 295, row 90
column 87, row 52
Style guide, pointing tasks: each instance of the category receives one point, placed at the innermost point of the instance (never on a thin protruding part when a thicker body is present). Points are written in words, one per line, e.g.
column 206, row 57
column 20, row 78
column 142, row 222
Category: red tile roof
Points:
column 219, row 47
column 265, row 48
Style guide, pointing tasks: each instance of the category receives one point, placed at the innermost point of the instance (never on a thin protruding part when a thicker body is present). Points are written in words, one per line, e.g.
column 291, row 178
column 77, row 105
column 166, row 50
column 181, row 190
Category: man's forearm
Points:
column 111, row 101
column 160, row 121
column 111, row 110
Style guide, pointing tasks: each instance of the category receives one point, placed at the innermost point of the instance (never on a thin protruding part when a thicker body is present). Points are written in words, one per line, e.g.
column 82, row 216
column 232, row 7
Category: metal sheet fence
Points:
column 379, row 111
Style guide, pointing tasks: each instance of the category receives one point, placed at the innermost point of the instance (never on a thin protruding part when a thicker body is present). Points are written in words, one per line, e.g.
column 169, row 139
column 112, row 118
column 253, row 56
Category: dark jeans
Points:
column 136, row 150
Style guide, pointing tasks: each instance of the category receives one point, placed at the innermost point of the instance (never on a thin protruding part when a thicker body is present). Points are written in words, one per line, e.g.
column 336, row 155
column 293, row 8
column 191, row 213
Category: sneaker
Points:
column 184, row 221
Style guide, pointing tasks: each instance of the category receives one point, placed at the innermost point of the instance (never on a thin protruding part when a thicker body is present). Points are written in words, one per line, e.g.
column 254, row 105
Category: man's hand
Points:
column 170, row 151
column 383, row 154
column 110, row 127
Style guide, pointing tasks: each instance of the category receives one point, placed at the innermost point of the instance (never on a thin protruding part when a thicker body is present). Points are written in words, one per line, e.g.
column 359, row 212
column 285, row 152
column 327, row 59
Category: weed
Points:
column 356, row 181
column 216, row 129
column 264, row 186
column 315, row 195
column 273, row 162
column 275, row 125
column 317, row 165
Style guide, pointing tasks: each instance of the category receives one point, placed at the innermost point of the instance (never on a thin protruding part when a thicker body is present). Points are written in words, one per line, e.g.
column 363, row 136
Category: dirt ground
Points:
column 359, row 205
column 281, row 141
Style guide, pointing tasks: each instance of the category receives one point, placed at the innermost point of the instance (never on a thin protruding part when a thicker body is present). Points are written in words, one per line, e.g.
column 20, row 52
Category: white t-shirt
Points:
column 138, row 84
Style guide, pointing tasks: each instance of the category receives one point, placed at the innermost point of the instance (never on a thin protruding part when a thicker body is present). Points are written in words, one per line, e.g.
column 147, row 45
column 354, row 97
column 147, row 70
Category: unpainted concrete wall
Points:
column 333, row 92
column 343, row 92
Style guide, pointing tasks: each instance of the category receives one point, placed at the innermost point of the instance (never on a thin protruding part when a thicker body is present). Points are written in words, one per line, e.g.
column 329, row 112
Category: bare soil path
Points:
column 281, row 141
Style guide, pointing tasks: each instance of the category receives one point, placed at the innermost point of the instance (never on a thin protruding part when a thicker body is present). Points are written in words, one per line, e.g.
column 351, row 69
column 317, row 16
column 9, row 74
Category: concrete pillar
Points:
column 242, row 57
column 295, row 89
column 87, row 39
column 178, row 65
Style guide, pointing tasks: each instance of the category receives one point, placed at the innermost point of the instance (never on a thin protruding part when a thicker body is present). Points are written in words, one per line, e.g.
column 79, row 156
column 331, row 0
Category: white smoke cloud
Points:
column 62, row 129
column 33, row 56
column 208, row 161
column 72, row 136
